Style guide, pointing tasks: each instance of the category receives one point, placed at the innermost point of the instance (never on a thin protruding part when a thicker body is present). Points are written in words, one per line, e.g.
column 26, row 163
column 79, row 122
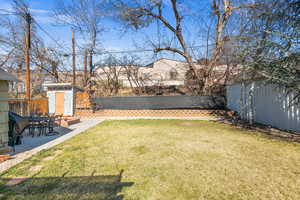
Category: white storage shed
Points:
column 61, row 98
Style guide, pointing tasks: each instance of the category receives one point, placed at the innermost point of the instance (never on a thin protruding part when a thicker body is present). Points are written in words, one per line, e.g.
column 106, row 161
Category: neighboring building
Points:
column 5, row 79
column 268, row 104
column 165, row 72
column 118, row 72
column 37, row 78
column 172, row 72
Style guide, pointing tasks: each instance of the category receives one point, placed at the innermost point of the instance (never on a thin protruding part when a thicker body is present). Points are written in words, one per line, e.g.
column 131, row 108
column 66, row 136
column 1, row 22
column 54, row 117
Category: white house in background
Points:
column 268, row 104
column 163, row 72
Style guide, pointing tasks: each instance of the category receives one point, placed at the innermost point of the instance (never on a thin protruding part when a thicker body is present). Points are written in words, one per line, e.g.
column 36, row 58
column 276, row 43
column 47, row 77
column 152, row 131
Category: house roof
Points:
column 150, row 65
column 7, row 76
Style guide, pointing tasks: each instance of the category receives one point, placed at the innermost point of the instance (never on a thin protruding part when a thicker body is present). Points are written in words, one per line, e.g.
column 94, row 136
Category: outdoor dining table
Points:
column 37, row 119
column 19, row 123
column 45, row 120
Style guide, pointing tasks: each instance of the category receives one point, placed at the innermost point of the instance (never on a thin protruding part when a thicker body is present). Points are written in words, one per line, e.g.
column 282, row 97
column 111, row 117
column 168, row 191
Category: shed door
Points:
column 59, row 103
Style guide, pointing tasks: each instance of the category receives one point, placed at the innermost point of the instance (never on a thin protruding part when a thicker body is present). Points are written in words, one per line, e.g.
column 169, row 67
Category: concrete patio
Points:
column 32, row 145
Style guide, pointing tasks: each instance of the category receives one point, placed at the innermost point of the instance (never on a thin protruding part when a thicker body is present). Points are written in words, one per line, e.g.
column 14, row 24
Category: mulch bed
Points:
column 265, row 130
column 4, row 158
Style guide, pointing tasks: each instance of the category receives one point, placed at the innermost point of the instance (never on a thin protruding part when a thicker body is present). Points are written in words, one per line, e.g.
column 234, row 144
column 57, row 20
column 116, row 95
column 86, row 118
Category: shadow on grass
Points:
column 67, row 188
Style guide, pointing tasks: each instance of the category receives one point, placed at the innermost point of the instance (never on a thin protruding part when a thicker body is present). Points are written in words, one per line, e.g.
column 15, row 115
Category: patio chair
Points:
column 36, row 125
column 51, row 123
column 58, row 119
column 13, row 134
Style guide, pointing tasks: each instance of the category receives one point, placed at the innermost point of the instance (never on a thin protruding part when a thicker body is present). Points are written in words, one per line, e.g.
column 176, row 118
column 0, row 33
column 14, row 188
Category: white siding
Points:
column 270, row 104
column 68, row 104
column 51, row 101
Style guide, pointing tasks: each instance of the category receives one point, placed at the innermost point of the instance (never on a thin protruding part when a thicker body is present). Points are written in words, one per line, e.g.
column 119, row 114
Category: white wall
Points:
column 269, row 104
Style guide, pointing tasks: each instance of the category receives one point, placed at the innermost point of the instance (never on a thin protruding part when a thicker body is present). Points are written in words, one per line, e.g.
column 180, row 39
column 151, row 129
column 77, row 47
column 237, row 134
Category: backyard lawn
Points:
column 160, row 159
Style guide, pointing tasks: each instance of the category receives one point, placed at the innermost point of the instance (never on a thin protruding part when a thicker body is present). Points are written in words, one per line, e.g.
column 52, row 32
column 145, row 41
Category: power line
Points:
column 8, row 12
column 42, row 29
column 131, row 51
column 48, row 34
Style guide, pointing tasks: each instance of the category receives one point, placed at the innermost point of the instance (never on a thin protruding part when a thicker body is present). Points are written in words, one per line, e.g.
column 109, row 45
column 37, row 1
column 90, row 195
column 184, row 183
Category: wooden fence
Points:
column 83, row 100
column 19, row 106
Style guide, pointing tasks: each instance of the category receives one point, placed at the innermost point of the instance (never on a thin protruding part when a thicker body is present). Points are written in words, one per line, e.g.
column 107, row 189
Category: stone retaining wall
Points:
column 3, row 115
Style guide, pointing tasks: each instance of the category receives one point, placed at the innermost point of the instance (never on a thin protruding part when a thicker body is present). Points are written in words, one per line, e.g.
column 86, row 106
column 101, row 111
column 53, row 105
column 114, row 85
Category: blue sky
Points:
column 111, row 39
column 42, row 12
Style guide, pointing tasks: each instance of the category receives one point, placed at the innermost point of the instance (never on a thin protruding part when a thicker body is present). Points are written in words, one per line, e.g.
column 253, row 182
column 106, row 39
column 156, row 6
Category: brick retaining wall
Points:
column 150, row 113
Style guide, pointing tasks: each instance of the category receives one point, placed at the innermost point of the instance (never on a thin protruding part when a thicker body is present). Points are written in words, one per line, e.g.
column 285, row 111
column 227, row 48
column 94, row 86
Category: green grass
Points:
column 161, row 159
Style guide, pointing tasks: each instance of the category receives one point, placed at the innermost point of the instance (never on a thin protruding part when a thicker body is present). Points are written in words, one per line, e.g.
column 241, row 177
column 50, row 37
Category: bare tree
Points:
column 222, row 10
column 135, row 77
column 140, row 14
column 48, row 60
column 107, row 75
column 271, row 45
column 84, row 16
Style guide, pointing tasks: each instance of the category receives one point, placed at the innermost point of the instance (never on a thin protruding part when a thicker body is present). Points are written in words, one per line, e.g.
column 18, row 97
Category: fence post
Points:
column 21, row 105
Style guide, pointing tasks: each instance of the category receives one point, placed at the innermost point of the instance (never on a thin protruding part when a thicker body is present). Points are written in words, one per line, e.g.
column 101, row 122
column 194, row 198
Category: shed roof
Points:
column 61, row 85
column 7, row 76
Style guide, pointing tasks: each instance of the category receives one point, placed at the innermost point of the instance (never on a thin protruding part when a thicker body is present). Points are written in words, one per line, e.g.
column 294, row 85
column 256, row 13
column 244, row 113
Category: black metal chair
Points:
column 51, row 123
column 36, row 125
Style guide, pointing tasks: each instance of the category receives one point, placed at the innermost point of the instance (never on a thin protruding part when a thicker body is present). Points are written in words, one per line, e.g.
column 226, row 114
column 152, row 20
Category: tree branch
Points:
column 156, row 50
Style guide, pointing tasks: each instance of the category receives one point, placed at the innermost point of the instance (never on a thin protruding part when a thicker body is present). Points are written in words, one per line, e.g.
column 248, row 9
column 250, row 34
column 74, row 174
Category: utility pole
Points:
column 74, row 59
column 91, row 69
column 28, row 19
column 85, row 67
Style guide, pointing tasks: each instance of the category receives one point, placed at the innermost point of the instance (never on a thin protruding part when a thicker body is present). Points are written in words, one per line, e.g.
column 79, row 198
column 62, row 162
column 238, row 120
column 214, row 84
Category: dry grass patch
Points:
column 48, row 158
column 163, row 159
column 36, row 168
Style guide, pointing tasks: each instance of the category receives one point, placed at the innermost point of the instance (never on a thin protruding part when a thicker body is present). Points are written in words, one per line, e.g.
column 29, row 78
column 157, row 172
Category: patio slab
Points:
column 34, row 145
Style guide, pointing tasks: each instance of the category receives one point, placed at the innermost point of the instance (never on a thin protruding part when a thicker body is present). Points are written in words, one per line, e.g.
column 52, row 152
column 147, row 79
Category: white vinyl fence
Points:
column 265, row 103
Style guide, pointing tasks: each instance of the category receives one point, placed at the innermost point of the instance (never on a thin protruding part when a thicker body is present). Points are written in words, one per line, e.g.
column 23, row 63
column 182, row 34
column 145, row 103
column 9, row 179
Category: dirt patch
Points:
column 15, row 181
column 36, row 168
column 48, row 158
column 57, row 152
column 188, row 123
